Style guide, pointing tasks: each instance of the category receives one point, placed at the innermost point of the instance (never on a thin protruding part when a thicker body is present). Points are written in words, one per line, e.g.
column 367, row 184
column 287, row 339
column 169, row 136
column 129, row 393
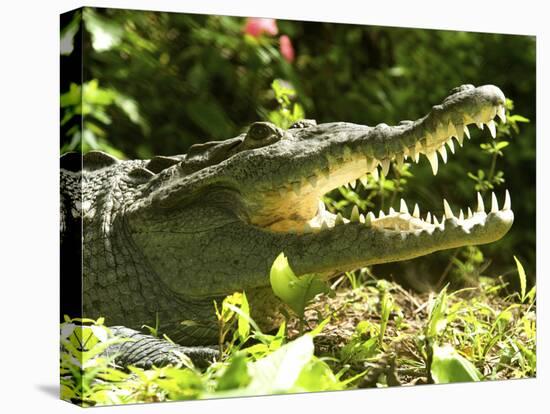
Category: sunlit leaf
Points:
column 522, row 278
column 235, row 375
column 295, row 292
column 437, row 321
column 68, row 33
column 279, row 371
column 518, row 118
column 449, row 366
column 244, row 319
column 317, row 376
column 105, row 33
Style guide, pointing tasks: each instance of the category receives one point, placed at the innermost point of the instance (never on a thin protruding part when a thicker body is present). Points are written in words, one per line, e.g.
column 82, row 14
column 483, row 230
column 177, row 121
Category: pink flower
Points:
column 285, row 45
column 256, row 26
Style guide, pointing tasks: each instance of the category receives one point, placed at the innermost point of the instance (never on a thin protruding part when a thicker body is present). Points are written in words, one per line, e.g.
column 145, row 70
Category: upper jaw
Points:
column 330, row 155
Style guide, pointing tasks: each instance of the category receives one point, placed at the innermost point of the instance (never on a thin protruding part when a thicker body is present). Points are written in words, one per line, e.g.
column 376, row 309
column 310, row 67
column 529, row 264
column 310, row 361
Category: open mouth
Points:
column 405, row 220
column 300, row 209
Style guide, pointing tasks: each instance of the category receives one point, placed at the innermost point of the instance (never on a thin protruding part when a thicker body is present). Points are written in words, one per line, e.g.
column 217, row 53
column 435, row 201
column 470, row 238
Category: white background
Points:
column 29, row 140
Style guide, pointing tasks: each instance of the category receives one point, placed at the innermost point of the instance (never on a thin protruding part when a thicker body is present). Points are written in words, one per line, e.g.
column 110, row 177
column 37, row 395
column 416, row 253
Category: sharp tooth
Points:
column 370, row 164
column 467, row 131
column 416, row 211
column 399, row 159
column 391, row 211
column 460, row 140
column 296, row 188
column 432, row 157
column 312, row 180
column 339, row 220
column 353, row 184
column 414, row 154
column 494, row 203
column 470, row 213
column 501, row 112
column 507, row 202
column 381, row 214
column 435, row 220
column 460, row 133
column 479, row 125
column 321, row 207
column 443, row 151
column 480, row 206
column 448, row 212
column 324, row 225
column 354, row 214
column 451, row 145
column 492, row 128
column 361, row 218
column 368, row 220
column 307, row 228
column 429, row 218
column 375, row 174
column 418, row 146
column 461, row 215
column 364, row 181
column 403, row 207
column 385, row 166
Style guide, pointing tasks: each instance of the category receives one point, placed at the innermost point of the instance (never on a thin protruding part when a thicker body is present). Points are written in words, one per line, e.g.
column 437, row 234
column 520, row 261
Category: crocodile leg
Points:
column 145, row 351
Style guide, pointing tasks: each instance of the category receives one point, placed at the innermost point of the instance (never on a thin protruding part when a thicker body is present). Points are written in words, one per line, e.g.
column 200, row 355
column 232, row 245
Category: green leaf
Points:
column 244, row 319
column 319, row 328
column 502, row 144
column 386, row 308
column 279, row 371
column 243, row 315
column 518, row 118
column 317, row 376
column 180, row 384
column 295, row 292
column 106, row 34
column 449, row 366
column 522, row 278
column 276, row 373
column 72, row 97
column 532, row 293
column 437, row 321
column 235, row 375
column 68, row 33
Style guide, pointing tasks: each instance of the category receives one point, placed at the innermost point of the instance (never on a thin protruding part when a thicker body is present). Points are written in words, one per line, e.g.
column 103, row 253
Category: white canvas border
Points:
column 29, row 209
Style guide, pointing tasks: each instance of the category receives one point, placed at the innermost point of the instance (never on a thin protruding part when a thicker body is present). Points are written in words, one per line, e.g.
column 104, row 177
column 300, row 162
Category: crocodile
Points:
column 165, row 237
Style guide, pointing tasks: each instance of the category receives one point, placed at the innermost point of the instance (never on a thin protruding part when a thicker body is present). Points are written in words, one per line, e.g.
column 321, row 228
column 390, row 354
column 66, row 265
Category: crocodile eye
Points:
column 260, row 131
column 261, row 134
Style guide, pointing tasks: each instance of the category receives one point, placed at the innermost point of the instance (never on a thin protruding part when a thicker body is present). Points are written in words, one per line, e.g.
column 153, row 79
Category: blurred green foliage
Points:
column 163, row 81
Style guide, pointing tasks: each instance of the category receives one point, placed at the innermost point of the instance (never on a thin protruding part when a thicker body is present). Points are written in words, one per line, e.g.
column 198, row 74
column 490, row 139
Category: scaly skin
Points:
column 167, row 236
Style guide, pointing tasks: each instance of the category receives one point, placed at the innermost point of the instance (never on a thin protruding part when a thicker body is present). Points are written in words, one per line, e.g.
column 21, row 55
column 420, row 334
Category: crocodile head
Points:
column 214, row 221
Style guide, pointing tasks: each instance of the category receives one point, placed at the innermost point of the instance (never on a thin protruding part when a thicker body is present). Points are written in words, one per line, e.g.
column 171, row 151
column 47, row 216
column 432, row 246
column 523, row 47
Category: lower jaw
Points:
column 353, row 245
